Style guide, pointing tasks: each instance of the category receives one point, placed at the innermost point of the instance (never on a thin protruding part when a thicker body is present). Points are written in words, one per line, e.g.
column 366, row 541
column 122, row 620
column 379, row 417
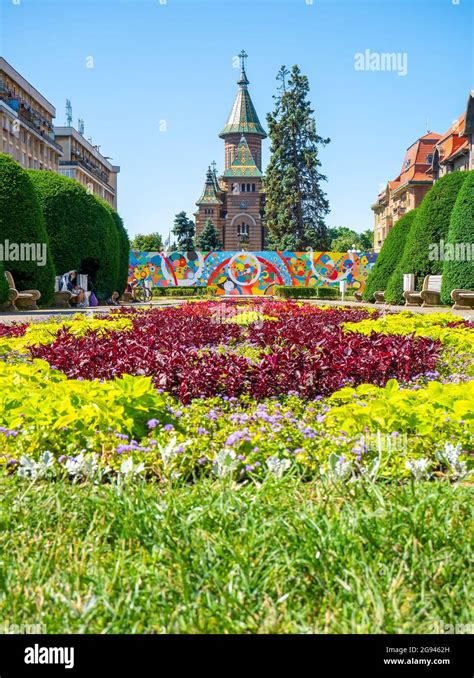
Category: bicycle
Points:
column 142, row 293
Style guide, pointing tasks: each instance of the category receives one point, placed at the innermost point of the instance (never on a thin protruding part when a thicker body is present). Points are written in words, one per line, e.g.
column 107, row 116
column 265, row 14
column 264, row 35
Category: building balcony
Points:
column 87, row 167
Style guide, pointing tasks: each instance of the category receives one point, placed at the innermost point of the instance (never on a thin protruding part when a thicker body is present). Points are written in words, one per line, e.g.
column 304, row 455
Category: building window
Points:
column 243, row 188
column 253, row 188
column 243, row 230
column 248, row 188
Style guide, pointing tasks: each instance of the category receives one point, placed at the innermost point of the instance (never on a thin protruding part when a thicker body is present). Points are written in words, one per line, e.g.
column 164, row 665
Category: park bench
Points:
column 20, row 301
column 379, row 297
column 463, row 299
column 65, row 298
column 430, row 294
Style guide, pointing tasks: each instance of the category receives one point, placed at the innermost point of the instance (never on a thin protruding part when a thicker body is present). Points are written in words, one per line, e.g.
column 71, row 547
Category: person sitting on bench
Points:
column 69, row 283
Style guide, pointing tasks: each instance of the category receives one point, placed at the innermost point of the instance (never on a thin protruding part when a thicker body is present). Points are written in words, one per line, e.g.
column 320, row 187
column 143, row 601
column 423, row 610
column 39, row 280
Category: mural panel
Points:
column 242, row 273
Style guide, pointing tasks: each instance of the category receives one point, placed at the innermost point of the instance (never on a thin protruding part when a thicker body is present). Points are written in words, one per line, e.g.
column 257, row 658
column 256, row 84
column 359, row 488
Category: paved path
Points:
column 467, row 313
column 45, row 313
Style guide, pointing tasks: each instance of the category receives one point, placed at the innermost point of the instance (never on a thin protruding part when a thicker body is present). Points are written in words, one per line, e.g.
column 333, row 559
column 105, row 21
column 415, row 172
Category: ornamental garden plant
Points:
column 331, row 446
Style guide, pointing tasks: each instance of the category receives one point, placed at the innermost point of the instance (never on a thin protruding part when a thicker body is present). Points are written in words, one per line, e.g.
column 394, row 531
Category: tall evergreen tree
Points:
column 295, row 202
column 209, row 240
column 184, row 231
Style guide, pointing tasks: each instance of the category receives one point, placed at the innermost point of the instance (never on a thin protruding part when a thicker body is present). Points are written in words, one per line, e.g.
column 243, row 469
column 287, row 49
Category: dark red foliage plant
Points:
column 193, row 351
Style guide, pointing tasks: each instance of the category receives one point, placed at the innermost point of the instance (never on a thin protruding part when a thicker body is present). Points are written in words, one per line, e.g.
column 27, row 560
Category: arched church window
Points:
column 243, row 188
column 248, row 188
column 253, row 188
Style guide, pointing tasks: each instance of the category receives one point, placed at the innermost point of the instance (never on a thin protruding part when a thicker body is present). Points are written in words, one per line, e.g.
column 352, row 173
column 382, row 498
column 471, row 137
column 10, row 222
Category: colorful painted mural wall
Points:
column 238, row 273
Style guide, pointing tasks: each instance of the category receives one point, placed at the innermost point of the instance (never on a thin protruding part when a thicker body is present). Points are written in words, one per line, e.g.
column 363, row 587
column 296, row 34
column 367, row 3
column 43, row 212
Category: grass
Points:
column 280, row 557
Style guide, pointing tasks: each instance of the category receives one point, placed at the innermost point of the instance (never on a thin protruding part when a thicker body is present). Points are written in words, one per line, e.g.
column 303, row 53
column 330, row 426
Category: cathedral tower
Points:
column 235, row 201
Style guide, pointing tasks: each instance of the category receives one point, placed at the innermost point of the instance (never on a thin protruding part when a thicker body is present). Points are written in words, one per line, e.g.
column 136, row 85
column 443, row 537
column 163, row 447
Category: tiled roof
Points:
column 453, row 141
column 209, row 195
column 417, row 161
column 243, row 164
column 243, row 118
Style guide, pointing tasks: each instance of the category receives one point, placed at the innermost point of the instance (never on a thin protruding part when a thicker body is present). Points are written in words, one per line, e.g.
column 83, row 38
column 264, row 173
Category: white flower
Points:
column 278, row 466
column 224, row 462
column 449, row 456
column 29, row 468
column 419, row 467
column 129, row 469
column 82, row 466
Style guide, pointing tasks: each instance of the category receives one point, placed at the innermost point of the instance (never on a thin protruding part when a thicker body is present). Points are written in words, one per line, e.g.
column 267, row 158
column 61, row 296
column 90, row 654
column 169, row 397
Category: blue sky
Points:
column 163, row 82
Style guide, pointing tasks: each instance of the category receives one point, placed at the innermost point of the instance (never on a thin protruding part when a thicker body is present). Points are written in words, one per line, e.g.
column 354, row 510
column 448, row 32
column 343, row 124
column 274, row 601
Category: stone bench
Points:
column 20, row 301
column 463, row 299
column 430, row 294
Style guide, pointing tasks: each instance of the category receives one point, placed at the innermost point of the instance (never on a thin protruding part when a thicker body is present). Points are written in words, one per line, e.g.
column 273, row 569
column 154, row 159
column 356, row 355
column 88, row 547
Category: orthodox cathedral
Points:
column 234, row 202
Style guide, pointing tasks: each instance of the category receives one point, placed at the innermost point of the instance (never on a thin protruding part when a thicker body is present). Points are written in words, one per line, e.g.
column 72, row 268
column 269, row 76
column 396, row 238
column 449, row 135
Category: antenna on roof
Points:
column 80, row 126
column 427, row 125
column 68, row 113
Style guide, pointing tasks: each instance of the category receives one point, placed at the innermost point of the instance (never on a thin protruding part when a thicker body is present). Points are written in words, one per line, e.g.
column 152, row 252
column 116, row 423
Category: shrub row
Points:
column 178, row 291
column 294, row 292
column 80, row 231
column 445, row 214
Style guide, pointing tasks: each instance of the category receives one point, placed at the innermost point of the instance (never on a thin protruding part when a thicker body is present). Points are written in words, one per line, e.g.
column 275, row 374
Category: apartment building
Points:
column 407, row 190
column 83, row 162
column 454, row 151
column 26, row 121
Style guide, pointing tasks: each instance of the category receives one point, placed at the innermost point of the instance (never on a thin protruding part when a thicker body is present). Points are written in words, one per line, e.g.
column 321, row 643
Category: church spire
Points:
column 209, row 195
column 243, row 80
column 243, row 118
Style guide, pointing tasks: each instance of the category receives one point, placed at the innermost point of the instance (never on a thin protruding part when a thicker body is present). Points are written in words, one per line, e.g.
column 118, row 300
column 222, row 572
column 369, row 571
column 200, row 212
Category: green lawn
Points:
column 280, row 557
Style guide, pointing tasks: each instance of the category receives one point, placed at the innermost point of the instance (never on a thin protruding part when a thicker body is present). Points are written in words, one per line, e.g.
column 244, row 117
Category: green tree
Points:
column 209, row 240
column 147, row 242
column 366, row 239
column 430, row 225
column 124, row 248
column 83, row 235
column 343, row 239
column 295, row 205
column 21, row 221
column 389, row 256
column 459, row 274
column 184, row 230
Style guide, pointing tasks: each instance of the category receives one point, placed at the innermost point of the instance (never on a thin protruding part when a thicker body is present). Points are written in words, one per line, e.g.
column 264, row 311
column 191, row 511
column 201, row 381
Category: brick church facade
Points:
column 234, row 202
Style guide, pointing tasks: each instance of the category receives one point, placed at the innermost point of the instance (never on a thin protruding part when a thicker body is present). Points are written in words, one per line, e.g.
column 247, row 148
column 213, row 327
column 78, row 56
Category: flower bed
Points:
column 238, row 389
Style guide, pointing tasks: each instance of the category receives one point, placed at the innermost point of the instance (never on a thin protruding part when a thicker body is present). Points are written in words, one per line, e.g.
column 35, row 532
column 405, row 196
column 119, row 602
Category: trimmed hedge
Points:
column 21, row 221
column 295, row 292
column 389, row 256
column 178, row 291
column 82, row 232
column 460, row 274
column 430, row 225
column 124, row 247
column 3, row 285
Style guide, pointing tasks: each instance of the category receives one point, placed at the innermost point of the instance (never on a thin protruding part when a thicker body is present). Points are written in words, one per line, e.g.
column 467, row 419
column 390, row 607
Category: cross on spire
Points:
column 243, row 76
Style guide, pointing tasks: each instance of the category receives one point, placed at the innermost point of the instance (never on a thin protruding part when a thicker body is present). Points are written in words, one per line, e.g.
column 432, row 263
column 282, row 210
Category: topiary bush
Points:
column 83, row 234
column 430, row 225
column 389, row 256
column 124, row 247
column 460, row 274
column 3, row 285
column 21, row 222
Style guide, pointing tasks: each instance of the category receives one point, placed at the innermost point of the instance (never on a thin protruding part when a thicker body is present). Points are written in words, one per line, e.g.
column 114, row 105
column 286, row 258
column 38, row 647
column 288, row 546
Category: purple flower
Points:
column 168, row 427
column 153, row 423
column 121, row 436
column 202, row 431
